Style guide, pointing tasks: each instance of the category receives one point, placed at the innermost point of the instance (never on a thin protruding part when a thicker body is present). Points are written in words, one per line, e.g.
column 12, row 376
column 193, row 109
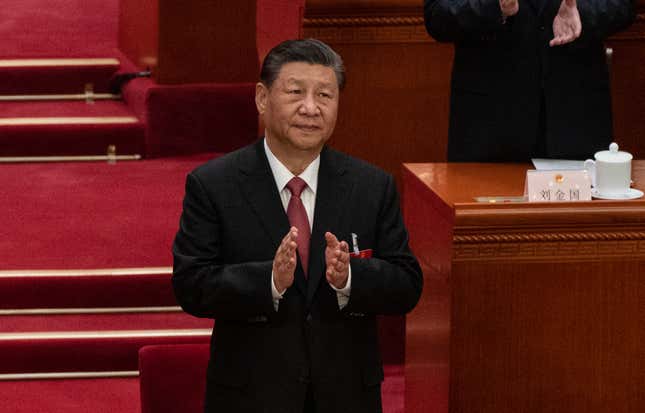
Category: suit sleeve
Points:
column 455, row 20
column 391, row 281
column 205, row 285
column 602, row 18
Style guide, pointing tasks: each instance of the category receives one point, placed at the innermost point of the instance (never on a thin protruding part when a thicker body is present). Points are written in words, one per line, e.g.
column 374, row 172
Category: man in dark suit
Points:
column 529, row 77
column 264, row 247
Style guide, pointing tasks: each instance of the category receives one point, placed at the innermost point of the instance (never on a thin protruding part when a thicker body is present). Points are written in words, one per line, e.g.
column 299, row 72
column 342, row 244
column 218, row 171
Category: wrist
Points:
column 278, row 287
column 339, row 283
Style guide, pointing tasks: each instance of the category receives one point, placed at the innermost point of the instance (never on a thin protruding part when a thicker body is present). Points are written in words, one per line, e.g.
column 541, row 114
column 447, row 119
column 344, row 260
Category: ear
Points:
column 261, row 97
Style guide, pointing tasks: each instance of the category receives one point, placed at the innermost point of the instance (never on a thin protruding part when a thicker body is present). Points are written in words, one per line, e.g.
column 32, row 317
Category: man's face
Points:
column 300, row 108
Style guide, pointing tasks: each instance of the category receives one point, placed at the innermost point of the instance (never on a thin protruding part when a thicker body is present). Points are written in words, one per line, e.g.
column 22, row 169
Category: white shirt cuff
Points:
column 342, row 294
column 277, row 296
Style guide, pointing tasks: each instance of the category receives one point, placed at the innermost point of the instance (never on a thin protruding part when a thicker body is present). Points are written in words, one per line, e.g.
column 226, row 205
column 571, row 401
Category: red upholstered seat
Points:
column 173, row 378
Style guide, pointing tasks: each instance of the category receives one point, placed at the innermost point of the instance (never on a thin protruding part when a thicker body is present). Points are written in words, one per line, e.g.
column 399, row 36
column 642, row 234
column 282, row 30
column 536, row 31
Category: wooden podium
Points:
column 527, row 307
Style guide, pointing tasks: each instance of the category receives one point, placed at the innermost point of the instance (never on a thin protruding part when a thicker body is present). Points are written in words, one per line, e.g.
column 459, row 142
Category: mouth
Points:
column 308, row 128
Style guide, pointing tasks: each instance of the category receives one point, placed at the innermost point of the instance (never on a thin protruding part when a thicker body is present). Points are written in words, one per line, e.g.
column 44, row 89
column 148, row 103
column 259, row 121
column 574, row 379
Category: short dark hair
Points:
column 306, row 50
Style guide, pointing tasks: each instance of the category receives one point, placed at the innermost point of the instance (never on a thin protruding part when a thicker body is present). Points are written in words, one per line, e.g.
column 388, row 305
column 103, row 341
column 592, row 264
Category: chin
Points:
column 309, row 141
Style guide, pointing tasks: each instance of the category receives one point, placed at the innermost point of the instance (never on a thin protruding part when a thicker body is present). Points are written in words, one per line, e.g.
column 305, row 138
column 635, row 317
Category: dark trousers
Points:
column 309, row 401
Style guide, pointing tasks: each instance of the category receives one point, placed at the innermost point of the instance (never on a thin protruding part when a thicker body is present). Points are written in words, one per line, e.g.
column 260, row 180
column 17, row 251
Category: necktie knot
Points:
column 296, row 185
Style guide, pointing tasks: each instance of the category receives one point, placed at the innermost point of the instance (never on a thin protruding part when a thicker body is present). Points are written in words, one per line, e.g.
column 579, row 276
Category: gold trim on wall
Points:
column 363, row 21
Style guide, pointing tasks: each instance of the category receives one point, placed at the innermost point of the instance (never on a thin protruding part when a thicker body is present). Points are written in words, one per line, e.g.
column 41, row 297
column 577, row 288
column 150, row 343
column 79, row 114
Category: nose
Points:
column 309, row 106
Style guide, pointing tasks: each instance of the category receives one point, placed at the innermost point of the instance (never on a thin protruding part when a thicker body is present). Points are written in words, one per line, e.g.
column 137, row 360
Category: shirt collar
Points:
column 282, row 175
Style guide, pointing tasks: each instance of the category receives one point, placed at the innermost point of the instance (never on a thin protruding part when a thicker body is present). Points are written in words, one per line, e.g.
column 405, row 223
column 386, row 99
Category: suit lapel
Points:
column 333, row 189
column 259, row 189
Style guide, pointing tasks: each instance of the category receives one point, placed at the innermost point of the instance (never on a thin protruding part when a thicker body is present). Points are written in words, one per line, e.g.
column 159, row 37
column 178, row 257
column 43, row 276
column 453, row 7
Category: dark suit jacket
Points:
column 263, row 360
column 503, row 72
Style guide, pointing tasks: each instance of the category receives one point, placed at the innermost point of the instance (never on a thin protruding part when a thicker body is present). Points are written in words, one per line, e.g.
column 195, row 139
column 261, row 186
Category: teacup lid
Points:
column 613, row 155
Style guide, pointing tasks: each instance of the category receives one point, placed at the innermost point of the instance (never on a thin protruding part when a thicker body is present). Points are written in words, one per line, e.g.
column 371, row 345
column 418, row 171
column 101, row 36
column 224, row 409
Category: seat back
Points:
column 173, row 378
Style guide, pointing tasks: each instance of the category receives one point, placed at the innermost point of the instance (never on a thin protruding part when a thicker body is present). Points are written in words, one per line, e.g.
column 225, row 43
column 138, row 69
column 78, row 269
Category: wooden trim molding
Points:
column 360, row 34
column 549, row 237
column 571, row 247
column 549, row 251
column 363, row 21
column 356, row 22
column 330, row 8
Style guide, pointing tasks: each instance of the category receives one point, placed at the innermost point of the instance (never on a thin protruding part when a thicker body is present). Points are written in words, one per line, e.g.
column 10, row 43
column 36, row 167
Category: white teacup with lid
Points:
column 611, row 171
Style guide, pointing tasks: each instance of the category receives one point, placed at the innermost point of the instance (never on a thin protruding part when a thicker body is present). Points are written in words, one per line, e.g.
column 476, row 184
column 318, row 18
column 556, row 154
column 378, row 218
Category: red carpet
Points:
column 91, row 215
column 393, row 388
column 55, row 28
column 114, row 395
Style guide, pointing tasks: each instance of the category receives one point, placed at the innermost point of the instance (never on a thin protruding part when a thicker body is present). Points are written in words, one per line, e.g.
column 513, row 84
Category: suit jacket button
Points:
column 308, row 318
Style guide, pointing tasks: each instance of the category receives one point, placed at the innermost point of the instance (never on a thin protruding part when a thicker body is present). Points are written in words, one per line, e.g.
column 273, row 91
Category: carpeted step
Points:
column 92, row 215
column 101, row 288
column 38, row 28
column 96, row 395
column 56, row 76
column 86, row 351
column 68, row 128
column 91, row 342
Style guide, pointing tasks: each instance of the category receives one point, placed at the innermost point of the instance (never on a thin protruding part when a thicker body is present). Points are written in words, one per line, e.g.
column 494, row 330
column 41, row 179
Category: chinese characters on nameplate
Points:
column 558, row 185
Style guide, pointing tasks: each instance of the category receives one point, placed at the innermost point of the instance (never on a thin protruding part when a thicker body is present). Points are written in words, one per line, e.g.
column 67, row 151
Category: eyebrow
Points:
column 301, row 81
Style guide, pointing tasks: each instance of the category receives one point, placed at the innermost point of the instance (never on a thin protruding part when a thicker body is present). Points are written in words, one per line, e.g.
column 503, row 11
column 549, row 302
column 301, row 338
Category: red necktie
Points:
column 298, row 218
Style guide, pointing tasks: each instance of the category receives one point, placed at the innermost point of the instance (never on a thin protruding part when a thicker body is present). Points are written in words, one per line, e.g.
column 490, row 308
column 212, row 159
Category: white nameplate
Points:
column 558, row 185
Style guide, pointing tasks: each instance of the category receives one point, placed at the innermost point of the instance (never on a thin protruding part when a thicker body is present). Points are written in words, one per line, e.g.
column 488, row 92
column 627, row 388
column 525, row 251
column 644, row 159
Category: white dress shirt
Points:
column 282, row 176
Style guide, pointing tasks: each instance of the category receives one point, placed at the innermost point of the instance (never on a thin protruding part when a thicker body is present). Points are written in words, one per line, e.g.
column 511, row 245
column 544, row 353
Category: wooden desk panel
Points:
column 532, row 307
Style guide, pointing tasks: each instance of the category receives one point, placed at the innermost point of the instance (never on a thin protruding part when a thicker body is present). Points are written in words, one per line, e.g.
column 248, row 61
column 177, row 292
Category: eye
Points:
column 294, row 91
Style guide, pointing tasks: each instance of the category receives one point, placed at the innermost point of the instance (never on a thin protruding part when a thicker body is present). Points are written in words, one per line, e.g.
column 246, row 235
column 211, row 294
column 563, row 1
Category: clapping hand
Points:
column 337, row 261
column 509, row 7
column 566, row 24
column 284, row 263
